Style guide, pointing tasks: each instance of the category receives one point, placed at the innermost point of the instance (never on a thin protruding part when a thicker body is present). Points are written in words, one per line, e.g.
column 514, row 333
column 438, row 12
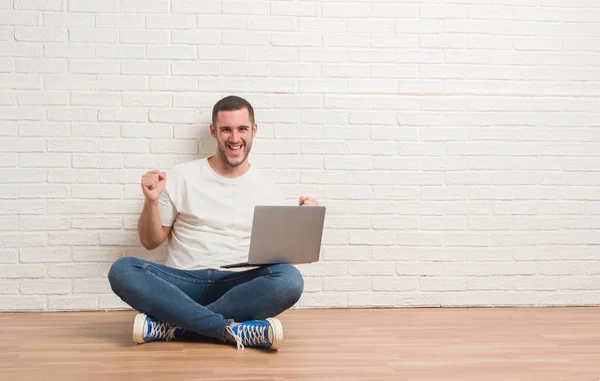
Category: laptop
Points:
column 284, row 234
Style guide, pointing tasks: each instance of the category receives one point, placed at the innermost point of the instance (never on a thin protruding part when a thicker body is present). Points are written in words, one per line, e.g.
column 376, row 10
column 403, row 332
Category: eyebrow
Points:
column 243, row 126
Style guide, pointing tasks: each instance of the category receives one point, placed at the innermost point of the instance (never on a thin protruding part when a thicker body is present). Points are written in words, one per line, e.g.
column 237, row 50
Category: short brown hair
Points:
column 232, row 103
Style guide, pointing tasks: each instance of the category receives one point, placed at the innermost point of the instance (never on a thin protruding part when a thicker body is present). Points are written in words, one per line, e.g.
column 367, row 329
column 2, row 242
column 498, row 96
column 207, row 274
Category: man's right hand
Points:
column 153, row 184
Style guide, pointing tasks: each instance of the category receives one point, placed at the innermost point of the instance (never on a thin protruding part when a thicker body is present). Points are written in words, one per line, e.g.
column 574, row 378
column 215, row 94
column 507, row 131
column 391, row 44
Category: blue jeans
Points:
column 205, row 301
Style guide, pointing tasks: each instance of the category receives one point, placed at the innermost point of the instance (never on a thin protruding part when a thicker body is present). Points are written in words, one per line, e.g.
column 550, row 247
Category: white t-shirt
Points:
column 211, row 216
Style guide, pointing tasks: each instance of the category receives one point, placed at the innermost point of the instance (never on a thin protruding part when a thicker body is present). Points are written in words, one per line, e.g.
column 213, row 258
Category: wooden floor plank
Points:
column 381, row 344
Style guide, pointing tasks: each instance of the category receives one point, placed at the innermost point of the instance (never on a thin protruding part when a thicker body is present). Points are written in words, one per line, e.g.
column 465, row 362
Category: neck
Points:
column 223, row 169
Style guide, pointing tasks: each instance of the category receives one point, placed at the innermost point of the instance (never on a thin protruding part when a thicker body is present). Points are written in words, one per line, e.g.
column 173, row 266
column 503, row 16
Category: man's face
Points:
column 234, row 133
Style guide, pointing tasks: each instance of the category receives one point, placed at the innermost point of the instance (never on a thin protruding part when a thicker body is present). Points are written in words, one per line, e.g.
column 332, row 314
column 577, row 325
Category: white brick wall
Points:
column 456, row 144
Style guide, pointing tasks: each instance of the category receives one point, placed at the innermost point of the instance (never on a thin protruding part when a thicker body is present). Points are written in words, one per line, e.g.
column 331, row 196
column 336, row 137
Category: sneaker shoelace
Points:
column 162, row 330
column 248, row 334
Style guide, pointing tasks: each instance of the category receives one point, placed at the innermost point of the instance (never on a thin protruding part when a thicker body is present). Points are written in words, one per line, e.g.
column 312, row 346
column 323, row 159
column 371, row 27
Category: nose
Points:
column 234, row 136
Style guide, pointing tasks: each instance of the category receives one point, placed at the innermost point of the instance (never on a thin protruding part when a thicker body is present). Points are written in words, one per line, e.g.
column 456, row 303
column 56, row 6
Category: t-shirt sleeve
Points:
column 166, row 205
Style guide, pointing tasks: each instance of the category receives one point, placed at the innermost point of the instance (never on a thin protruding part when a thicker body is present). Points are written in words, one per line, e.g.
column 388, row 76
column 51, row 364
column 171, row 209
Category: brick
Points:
column 347, row 284
column 324, row 269
column 44, row 160
column 346, row 253
column 345, row 71
column 43, row 191
column 39, row 5
column 174, row 116
column 124, row 238
column 9, row 191
column 376, row 238
column 121, row 176
column 120, row 21
column 71, row 50
column 189, row 6
column 97, row 254
column 194, row 68
column 171, row 52
column 91, row 286
column 271, row 54
column 45, row 254
column 9, row 49
column 22, row 175
column 296, row 161
column 196, row 37
column 172, row 21
column 295, row 9
column 324, row 299
column 92, row 6
column 95, row 99
column 112, row 302
column 120, row 83
column 72, row 115
column 45, row 287
column 93, row 67
column 144, row 6
column 173, row 84
column 345, row 11
column 70, row 82
column 6, row 66
column 245, row 7
column 72, row 303
column 394, row 284
column 96, row 191
column 43, row 98
column 12, row 17
column 22, row 303
column 322, row 24
column 123, row 115
column 144, row 37
column 20, row 145
column 294, row 38
column 40, row 34
column 93, row 35
column 9, row 287
column 73, row 176
column 121, row 51
column 371, row 299
column 22, row 271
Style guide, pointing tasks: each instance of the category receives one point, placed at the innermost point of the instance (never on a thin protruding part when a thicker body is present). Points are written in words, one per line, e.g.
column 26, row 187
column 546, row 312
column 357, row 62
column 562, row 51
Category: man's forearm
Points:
column 149, row 226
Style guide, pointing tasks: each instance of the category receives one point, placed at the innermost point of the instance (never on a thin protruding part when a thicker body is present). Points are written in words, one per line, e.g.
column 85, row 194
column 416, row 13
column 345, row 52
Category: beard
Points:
column 223, row 154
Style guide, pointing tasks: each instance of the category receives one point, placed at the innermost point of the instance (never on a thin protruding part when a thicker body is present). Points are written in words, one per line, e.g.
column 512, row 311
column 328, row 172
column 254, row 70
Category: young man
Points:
column 205, row 210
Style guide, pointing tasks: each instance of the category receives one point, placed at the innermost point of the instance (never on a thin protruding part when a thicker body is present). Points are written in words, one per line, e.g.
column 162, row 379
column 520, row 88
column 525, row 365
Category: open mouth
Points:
column 234, row 148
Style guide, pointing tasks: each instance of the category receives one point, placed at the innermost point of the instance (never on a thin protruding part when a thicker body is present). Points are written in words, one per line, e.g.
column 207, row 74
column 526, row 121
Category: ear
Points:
column 213, row 131
column 254, row 129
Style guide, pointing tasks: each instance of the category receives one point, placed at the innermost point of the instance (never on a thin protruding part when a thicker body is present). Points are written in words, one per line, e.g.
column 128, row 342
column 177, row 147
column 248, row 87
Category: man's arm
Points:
column 152, row 233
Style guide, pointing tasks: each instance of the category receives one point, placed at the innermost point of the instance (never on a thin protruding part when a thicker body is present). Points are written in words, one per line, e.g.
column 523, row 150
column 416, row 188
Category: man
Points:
column 205, row 210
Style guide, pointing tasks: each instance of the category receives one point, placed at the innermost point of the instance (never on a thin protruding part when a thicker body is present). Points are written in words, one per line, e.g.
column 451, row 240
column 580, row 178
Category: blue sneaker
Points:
column 257, row 333
column 146, row 329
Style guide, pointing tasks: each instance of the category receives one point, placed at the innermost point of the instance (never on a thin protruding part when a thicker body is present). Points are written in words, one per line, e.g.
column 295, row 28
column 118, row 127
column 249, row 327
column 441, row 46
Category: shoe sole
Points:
column 138, row 328
column 277, row 329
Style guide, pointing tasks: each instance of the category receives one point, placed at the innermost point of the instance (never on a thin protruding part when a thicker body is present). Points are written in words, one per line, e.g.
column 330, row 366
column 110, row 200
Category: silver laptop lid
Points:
column 286, row 234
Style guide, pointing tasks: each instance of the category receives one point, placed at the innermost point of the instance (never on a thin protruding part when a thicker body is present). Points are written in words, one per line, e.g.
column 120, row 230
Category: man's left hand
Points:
column 307, row 201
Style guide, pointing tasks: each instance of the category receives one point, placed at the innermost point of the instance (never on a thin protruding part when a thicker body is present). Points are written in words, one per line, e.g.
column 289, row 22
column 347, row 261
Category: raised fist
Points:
column 153, row 183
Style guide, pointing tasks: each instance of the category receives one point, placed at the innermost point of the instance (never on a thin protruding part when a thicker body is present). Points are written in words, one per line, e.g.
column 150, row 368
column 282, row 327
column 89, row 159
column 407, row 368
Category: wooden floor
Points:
column 370, row 344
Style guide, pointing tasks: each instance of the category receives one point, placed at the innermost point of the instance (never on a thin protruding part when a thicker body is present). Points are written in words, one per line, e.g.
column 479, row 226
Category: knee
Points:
column 292, row 283
column 120, row 271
